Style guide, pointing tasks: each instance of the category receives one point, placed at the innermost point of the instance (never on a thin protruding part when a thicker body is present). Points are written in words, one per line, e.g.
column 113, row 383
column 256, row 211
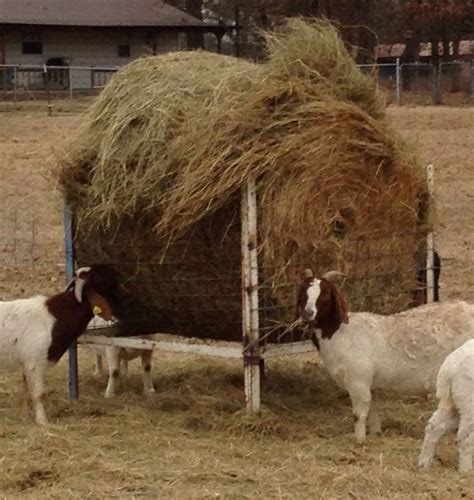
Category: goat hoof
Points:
column 424, row 464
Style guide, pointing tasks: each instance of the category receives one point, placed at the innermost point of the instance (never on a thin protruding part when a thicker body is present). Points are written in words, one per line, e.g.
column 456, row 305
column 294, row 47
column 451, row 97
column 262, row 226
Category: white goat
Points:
column 117, row 361
column 455, row 391
column 36, row 332
column 364, row 351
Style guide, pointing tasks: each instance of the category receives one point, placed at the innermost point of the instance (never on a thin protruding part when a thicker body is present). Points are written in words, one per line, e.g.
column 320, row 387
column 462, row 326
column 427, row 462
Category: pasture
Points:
column 192, row 439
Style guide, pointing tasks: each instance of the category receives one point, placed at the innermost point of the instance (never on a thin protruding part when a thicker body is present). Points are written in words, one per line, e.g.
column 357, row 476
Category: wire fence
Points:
column 31, row 254
column 403, row 83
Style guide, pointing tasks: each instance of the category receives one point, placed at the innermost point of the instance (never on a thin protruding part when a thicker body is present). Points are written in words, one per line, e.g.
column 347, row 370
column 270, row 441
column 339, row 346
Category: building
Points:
column 83, row 33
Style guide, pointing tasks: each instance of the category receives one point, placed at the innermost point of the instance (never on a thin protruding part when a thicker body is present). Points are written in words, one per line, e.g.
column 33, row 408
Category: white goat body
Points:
column 401, row 352
column 25, row 338
column 25, row 333
column 455, row 392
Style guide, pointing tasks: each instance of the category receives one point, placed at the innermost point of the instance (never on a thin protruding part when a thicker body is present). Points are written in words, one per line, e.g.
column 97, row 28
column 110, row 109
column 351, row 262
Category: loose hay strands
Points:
column 172, row 139
column 191, row 436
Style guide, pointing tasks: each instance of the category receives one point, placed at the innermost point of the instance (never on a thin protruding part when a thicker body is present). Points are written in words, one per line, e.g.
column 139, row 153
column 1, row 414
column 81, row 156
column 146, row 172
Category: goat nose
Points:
column 309, row 313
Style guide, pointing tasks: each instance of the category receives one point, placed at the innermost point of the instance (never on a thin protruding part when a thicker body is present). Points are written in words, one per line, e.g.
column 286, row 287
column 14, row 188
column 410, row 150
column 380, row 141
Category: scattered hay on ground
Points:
column 192, row 440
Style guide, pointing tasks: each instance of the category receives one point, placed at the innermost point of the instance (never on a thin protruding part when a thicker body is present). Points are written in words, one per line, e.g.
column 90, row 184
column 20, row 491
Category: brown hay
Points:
column 153, row 179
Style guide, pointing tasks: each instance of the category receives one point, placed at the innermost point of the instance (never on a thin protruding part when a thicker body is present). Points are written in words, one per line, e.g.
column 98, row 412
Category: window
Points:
column 32, row 47
column 124, row 50
column 32, row 43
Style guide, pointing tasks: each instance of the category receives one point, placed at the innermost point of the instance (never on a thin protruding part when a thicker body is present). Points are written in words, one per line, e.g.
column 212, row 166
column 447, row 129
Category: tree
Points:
column 439, row 21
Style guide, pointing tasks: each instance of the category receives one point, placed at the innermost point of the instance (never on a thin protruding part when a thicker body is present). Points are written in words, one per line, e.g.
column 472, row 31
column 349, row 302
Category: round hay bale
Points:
column 154, row 175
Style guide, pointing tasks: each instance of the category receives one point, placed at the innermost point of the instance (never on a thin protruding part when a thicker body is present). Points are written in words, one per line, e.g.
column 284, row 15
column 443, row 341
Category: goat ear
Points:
column 340, row 305
column 80, row 281
column 333, row 275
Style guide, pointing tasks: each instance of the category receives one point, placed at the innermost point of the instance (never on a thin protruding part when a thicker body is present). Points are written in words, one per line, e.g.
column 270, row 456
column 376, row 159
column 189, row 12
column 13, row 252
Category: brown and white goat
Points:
column 36, row 332
column 364, row 351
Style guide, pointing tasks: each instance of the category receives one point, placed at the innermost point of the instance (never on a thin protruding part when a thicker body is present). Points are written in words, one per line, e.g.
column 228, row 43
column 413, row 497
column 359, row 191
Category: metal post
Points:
column 45, row 73
column 430, row 243
column 69, row 250
column 472, row 78
column 15, row 76
column 399, row 81
column 70, row 83
column 237, row 31
column 437, row 85
column 250, row 328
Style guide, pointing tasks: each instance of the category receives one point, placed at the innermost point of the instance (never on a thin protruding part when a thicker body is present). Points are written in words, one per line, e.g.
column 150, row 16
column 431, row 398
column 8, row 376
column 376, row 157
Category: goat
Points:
column 455, row 391
column 117, row 361
column 36, row 332
column 365, row 351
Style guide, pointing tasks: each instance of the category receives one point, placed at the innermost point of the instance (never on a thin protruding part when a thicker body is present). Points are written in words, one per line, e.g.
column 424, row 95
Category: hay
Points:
column 201, row 445
column 154, row 175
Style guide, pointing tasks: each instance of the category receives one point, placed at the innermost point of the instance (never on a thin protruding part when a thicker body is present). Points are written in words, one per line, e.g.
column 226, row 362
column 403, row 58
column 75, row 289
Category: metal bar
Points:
column 301, row 347
column 399, row 80
column 41, row 67
column 164, row 345
column 69, row 252
column 430, row 243
column 250, row 331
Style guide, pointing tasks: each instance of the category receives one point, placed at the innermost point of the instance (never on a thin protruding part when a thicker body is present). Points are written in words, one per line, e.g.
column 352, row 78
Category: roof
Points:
column 466, row 48
column 96, row 13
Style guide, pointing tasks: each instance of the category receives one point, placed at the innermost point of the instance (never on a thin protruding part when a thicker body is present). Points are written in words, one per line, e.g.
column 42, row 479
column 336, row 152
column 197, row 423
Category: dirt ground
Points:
column 191, row 439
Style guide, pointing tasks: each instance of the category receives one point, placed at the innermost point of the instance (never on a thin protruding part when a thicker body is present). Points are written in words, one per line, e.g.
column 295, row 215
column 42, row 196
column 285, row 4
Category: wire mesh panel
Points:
column 387, row 78
column 18, row 233
column 382, row 276
column 418, row 83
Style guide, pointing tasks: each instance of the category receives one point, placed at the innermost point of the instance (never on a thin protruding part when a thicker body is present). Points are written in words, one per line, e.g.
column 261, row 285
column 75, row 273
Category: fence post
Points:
column 437, row 85
column 15, row 76
column 472, row 78
column 430, row 243
column 69, row 251
column 46, row 77
column 250, row 327
column 70, row 83
column 399, row 81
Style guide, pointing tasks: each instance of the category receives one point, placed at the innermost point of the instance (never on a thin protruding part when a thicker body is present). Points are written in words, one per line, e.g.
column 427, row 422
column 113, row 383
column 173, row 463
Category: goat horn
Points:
column 69, row 285
column 330, row 275
column 80, row 282
column 308, row 273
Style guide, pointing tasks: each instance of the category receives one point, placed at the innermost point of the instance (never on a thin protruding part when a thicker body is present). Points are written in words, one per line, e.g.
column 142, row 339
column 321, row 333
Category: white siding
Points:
column 87, row 47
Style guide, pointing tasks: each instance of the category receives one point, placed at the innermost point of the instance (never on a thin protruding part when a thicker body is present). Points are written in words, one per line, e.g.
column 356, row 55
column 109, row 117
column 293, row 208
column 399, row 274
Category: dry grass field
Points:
column 191, row 439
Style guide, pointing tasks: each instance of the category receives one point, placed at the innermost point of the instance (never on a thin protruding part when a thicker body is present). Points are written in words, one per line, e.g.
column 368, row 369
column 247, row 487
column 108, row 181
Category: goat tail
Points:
column 443, row 390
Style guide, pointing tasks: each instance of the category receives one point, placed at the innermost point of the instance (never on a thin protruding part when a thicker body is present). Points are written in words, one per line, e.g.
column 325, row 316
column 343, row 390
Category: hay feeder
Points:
column 211, row 191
